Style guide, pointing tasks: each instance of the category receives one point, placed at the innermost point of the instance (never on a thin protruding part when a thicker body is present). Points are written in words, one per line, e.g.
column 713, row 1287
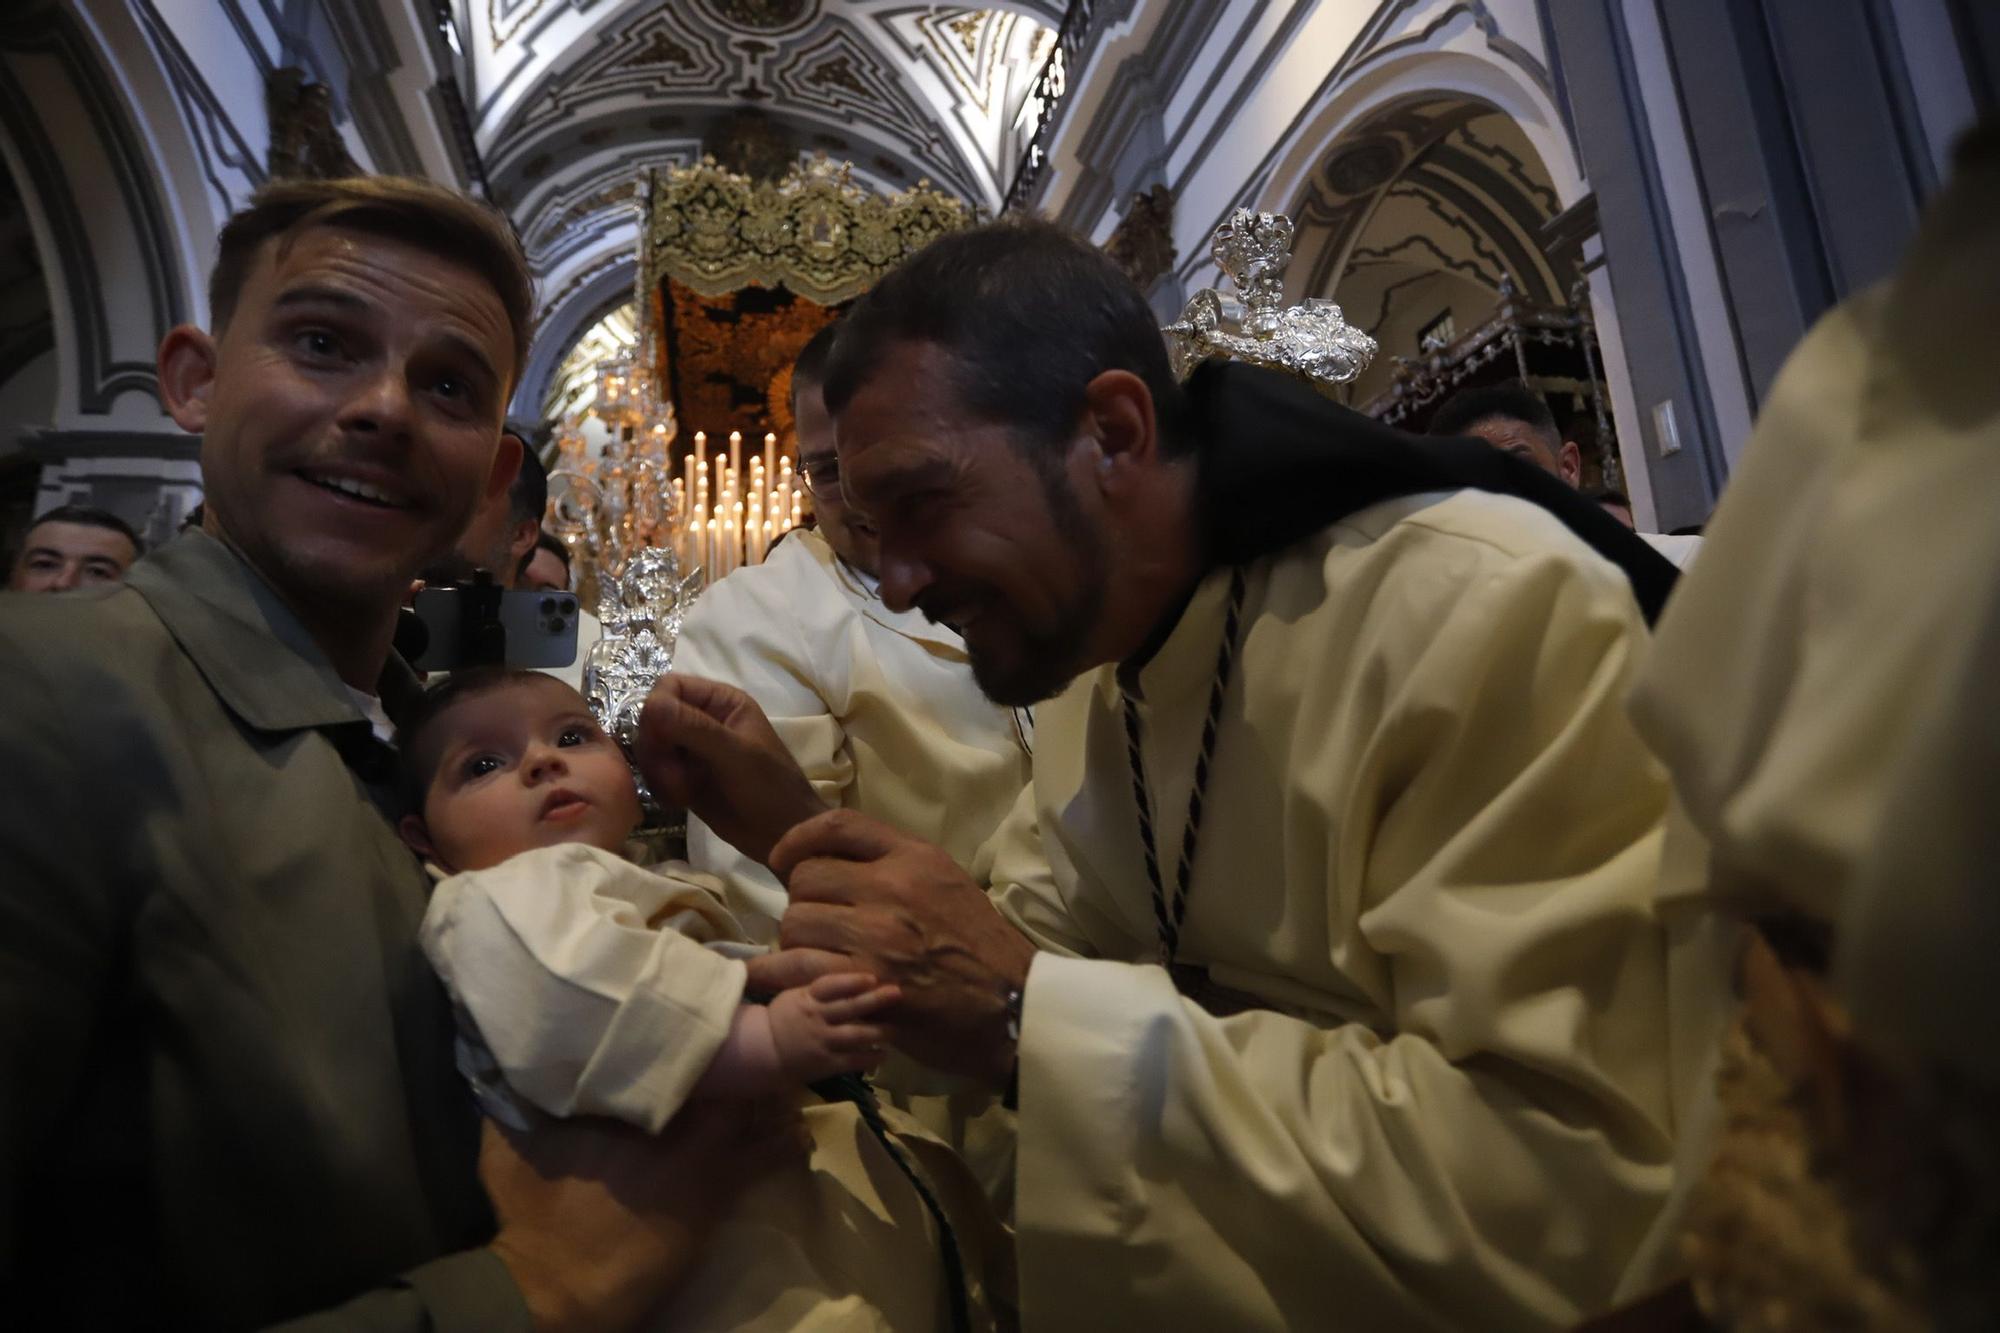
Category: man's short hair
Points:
column 90, row 516
column 544, row 541
column 414, row 773
column 431, row 217
column 810, row 367
column 1029, row 314
column 1512, row 402
column 528, row 497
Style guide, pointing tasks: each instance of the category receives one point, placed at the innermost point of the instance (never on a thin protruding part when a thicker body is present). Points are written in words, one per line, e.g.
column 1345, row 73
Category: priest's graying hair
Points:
column 1030, row 314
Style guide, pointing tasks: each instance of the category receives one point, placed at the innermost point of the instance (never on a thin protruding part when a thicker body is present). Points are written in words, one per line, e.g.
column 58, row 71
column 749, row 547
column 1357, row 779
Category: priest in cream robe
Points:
column 878, row 707
column 1319, row 953
column 1823, row 694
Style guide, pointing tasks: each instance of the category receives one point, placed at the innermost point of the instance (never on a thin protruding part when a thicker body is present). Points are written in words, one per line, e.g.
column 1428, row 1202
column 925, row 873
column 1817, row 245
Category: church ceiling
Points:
column 571, row 100
column 1450, row 189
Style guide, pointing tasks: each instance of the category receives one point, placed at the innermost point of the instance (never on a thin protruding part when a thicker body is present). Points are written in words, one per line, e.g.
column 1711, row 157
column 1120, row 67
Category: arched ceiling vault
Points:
column 1415, row 218
column 571, row 102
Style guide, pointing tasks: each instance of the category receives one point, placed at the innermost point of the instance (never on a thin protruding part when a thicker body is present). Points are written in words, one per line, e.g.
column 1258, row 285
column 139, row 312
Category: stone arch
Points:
column 567, row 317
column 1425, row 187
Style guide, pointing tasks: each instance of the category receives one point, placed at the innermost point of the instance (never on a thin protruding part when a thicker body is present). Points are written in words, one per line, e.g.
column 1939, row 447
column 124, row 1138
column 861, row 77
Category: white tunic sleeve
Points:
column 587, row 978
column 1486, row 1149
column 775, row 637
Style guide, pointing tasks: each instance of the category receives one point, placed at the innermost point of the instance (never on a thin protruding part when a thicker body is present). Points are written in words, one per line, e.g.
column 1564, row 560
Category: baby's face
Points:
column 525, row 766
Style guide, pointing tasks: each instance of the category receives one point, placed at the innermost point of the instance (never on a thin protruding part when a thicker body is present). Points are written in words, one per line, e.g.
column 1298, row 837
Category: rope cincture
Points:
column 857, row 1089
column 1169, row 914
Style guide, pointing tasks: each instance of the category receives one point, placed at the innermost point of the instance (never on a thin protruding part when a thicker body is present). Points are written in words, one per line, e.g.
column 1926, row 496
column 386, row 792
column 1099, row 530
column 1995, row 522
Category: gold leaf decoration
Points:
column 814, row 232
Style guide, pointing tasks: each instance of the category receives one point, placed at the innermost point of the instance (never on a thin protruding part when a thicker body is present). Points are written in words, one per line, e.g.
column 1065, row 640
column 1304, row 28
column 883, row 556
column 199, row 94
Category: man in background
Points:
column 547, row 566
column 76, row 546
column 881, row 712
column 878, row 707
column 1513, row 418
column 504, row 538
column 504, row 529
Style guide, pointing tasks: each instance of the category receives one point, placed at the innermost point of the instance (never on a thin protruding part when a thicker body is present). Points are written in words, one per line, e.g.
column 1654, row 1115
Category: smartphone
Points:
column 447, row 629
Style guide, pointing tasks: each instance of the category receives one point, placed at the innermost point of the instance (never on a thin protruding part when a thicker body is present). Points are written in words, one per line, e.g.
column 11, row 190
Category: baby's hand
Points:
column 820, row 1029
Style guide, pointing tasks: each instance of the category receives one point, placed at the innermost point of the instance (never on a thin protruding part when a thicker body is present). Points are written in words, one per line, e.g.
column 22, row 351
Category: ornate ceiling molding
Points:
column 568, row 95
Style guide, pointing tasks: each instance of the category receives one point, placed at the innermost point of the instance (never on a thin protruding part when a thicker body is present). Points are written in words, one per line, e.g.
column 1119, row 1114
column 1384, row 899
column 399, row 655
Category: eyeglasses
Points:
column 822, row 475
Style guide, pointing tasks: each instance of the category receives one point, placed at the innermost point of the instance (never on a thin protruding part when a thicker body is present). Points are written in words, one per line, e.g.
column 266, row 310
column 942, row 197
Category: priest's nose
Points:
column 904, row 579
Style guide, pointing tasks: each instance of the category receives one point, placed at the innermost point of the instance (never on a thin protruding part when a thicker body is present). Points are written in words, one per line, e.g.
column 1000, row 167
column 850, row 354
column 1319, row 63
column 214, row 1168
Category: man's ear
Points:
column 1127, row 434
column 417, row 837
column 1569, row 463
column 186, row 366
column 506, row 463
column 526, row 533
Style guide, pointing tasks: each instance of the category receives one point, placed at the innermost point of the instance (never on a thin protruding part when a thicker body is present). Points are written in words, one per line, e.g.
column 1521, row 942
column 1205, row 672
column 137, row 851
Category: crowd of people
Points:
column 1422, row 902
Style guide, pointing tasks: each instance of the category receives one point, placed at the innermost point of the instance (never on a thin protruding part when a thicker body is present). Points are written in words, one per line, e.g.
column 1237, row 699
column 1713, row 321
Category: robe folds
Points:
column 1426, row 863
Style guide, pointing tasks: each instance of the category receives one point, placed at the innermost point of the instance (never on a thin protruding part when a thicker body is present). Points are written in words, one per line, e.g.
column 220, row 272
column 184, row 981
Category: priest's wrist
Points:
column 789, row 809
column 1007, row 1064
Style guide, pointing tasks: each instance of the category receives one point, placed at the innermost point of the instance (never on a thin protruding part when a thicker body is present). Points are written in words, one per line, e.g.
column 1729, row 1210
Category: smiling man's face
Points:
column 351, row 422
column 969, row 531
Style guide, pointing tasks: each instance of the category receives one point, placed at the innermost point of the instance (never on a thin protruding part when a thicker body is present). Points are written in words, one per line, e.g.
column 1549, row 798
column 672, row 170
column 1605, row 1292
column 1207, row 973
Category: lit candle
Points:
column 735, row 456
column 770, row 454
column 701, row 448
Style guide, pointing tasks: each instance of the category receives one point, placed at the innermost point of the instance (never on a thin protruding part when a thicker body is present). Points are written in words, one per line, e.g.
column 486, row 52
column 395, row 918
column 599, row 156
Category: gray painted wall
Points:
column 1811, row 163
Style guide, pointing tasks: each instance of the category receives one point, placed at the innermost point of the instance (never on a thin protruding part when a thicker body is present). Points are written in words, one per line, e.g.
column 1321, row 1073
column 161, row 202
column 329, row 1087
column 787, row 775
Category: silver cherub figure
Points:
column 641, row 608
column 1310, row 340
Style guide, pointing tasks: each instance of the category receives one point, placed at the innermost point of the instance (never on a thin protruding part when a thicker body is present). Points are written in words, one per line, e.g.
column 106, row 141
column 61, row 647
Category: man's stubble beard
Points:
column 1050, row 660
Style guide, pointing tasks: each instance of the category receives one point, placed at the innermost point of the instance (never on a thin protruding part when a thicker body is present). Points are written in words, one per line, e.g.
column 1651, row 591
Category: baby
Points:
column 589, row 984
column 526, row 806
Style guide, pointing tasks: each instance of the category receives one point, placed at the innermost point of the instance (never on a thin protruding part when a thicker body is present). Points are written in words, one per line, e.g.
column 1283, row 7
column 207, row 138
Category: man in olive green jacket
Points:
column 227, row 1094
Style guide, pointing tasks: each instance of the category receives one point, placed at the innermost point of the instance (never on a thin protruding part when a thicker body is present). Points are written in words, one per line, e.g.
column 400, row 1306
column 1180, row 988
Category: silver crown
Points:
column 1311, row 340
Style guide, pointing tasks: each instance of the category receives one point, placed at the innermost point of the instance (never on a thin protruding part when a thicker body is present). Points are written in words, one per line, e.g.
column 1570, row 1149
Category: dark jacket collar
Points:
column 253, row 652
column 1278, row 462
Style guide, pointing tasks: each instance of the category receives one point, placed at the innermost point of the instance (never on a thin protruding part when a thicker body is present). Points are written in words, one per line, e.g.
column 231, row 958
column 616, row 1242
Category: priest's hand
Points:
column 709, row 748
column 867, row 897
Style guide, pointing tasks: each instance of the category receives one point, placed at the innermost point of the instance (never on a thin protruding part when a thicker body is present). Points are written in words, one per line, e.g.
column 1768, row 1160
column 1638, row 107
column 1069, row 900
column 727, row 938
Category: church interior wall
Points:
column 1749, row 163
column 27, row 398
column 1753, row 164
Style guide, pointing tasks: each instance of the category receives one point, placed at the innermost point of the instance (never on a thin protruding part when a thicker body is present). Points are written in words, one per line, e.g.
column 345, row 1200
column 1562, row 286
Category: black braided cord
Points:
column 857, row 1089
column 1168, row 915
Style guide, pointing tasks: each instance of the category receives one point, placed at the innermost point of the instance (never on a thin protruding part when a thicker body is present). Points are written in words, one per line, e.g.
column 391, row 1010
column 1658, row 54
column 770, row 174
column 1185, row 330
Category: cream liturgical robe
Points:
column 1426, row 862
column 1826, row 669
column 879, row 708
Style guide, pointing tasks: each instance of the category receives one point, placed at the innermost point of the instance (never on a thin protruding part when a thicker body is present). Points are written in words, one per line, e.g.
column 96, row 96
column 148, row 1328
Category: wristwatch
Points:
column 1011, row 997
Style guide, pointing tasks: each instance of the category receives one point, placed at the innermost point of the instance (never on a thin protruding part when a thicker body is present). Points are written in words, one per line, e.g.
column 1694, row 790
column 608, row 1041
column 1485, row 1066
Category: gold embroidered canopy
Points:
column 813, row 231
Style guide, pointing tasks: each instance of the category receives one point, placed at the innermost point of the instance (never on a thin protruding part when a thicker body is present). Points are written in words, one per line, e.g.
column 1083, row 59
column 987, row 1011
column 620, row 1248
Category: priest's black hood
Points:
column 1278, row 462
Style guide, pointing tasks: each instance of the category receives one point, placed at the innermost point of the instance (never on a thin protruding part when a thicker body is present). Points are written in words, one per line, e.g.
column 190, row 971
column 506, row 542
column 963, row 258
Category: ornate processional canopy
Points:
column 813, row 231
